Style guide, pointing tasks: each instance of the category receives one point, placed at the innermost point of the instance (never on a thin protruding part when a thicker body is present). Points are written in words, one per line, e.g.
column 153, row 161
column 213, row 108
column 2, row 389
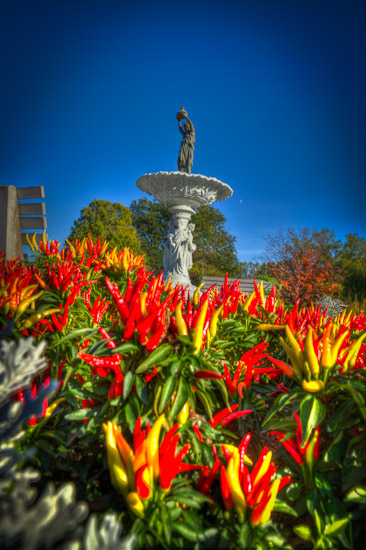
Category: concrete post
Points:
column 10, row 235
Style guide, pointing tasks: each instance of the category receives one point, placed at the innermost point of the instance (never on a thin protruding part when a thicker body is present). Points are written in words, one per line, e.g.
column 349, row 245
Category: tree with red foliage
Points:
column 304, row 263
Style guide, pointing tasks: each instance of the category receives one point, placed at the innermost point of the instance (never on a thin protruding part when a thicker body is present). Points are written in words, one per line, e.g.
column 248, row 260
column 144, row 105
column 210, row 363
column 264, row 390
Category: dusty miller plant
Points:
column 53, row 519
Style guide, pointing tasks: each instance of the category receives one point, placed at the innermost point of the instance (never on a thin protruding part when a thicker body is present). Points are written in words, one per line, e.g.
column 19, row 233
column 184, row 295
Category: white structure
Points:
column 183, row 192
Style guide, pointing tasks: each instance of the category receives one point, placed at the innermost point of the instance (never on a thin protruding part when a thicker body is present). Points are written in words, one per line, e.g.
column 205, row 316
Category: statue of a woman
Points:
column 178, row 251
column 185, row 157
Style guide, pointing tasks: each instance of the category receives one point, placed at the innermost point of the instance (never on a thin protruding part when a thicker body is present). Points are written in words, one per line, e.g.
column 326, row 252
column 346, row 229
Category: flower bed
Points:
column 136, row 416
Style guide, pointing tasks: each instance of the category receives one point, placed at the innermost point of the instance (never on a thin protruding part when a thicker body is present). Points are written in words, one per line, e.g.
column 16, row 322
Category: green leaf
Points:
column 357, row 494
column 167, row 392
column 279, row 404
column 223, row 391
column 360, row 402
column 285, row 508
column 184, row 529
column 81, row 414
column 127, row 347
column 180, row 398
column 312, row 413
column 131, row 416
column 187, row 493
column 142, row 389
column 336, row 527
column 205, row 402
column 128, row 383
column 74, row 334
column 244, row 535
column 337, row 449
column 304, row 532
column 156, row 357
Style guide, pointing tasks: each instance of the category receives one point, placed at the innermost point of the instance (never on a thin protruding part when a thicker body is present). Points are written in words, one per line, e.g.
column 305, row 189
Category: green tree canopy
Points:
column 215, row 253
column 111, row 221
column 352, row 259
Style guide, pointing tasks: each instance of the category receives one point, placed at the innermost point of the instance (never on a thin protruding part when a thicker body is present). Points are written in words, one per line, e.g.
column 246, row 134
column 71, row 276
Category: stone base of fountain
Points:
column 182, row 192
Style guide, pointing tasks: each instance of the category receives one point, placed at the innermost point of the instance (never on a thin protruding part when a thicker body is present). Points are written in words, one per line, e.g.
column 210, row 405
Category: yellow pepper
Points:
column 135, row 503
column 215, row 320
column 248, row 301
column 266, row 327
column 152, row 446
column 298, row 372
column 198, row 331
column 28, row 301
column 183, row 415
column 353, row 353
column 33, row 319
column 337, row 345
column 232, row 449
column 261, row 293
column 166, row 287
column 232, row 473
column 181, row 324
column 266, row 514
column 263, row 469
column 312, row 386
column 310, row 353
column 196, row 295
column 326, row 358
column 299, row 356
column 117, row 469
column 309, row 453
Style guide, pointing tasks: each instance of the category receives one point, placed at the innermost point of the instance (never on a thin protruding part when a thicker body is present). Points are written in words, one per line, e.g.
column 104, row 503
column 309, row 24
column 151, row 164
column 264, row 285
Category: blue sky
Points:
column 276, row 91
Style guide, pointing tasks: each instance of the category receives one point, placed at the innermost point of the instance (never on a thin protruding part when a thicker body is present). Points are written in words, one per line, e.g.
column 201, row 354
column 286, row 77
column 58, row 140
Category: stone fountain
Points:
column 183, row 192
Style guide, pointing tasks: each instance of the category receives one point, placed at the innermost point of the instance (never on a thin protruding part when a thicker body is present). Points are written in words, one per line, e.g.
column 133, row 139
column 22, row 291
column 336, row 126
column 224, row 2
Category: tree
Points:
column 150, row 219
column 304, row 263
column 352, row 258
column 215, row 253
column 111, row 221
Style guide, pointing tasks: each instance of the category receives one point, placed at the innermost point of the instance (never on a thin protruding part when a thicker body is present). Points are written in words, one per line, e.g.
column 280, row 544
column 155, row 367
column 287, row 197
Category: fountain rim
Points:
column 168, row 179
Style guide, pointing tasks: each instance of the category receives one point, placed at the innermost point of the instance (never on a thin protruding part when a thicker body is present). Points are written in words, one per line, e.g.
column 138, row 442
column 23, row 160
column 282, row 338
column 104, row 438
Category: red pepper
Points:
column 230, row 385
column 197, row 432
column 232, row 416
column 145, row 325
column 110, row 343
column 119, row 301
column 225, row 489
column 221, row 414
column 56, row 322
column 154, row 340
column 210, row 477
column 246, row 481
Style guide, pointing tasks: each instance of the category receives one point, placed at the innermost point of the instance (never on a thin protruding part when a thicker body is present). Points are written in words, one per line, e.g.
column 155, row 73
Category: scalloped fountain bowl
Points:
column 178, row 188
column 182, row 192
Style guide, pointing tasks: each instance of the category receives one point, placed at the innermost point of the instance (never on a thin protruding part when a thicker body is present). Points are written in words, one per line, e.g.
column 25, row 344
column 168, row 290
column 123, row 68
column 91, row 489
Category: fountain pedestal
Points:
column 183, row 192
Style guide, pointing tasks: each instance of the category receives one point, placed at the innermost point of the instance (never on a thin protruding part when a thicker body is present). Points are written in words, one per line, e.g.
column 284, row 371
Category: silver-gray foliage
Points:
column 332, row 305
column 20, row 362
column 107, row 536
column 30, row 520
column 50, row 519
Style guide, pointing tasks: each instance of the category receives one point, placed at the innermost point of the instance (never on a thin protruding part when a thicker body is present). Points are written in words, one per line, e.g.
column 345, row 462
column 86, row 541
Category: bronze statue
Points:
column 185, row 157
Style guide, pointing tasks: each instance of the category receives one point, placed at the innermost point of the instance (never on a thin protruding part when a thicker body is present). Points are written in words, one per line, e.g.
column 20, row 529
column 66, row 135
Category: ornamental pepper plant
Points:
column 212, row 420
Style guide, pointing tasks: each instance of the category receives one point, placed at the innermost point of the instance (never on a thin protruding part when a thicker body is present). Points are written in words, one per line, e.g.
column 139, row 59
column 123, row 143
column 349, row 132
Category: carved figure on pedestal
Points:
column 179, row 248
column 185, row 157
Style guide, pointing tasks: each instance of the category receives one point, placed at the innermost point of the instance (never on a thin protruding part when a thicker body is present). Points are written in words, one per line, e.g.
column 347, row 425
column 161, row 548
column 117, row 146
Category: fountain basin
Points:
column 181, row 188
